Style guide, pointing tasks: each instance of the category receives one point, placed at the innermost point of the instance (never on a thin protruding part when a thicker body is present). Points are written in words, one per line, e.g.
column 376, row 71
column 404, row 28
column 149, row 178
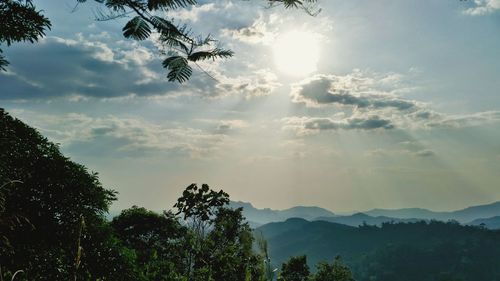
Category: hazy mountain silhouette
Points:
column 258, row 217
column 361, row 218
column 464, row 215
column 491, row 223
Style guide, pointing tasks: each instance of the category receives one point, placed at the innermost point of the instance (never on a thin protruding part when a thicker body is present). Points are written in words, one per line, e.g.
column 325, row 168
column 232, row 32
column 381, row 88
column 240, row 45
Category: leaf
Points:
column 3, row 62
column 169, row 4
column 179, row 69
column 212, row 54
column 137, row 28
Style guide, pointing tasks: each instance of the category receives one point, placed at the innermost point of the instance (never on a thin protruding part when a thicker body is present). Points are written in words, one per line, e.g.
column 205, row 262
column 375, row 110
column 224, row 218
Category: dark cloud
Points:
column 57, row 67
column 425, row 153
column 347, row 90
column 306, row 125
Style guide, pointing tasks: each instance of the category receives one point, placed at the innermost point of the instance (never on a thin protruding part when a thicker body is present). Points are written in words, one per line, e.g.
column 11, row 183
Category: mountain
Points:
column 491, row 223
column 258, row 217
column 462, row 216
column 361, row 218
column 418, row 251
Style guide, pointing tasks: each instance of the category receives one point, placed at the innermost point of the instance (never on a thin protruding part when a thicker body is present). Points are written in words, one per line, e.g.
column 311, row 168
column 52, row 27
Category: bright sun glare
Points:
column 296, row 53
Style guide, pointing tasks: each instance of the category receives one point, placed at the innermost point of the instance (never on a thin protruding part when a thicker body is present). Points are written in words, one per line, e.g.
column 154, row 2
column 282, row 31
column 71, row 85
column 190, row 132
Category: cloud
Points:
column 194, row 13
column 425, row 153
column 124, row 136
column 256, row 84
column 349, row 90
column 311, row 125
column 256, row 33
column 58, row 67
column 371, row 102
column 483, row 7
column 434, row 119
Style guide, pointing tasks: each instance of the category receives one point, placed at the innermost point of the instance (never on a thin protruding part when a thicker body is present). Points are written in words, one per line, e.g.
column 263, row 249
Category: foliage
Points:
column 155, row 239
column 199, row 205
column 423, row 251
column 295, row 269
column 336, row 271
column 20, row 22
column 54, row 195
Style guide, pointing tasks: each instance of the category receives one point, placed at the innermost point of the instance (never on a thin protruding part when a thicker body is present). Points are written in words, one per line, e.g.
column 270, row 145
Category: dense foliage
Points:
column 53, row 227
column 424, row 251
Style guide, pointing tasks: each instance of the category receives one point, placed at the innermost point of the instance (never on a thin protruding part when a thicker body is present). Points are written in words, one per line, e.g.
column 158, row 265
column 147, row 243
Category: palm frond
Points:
column 137, row 28
column 179, row 69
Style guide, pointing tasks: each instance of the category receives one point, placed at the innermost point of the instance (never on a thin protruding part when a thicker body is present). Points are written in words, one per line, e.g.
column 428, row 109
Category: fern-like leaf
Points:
column 212, row 54
column 137, row 28
column 3, row 62
column 179, row 69
column 169, row 4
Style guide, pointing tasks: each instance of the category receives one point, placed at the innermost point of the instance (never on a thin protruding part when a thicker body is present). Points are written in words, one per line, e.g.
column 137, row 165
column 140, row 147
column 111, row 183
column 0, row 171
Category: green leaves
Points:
column 137, row 28
column 21, row 22
column 179, row 69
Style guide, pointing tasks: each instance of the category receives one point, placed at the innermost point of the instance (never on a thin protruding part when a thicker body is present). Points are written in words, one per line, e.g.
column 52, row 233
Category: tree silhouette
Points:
column 295, row 269
column 20, row 22
column 335, row 271
column 54, row 195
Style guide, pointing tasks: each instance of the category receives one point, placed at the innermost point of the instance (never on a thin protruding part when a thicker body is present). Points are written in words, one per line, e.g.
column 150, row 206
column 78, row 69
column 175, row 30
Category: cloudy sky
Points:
column 369, row 104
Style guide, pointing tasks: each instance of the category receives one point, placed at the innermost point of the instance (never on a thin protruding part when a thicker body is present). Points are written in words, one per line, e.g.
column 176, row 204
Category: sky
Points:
column 369, row 104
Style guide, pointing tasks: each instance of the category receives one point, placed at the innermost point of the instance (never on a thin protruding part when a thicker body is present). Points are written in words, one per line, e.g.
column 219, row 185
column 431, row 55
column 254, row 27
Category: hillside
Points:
column 429, row 245
column 491, row 223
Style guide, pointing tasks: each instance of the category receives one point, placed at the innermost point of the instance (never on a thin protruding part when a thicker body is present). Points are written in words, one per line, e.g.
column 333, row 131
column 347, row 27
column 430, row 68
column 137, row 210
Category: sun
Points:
column 296, row 53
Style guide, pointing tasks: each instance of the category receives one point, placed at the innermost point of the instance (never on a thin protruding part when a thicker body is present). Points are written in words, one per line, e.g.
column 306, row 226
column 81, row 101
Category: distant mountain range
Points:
column 463, row 216
column 258, row 217
column 472, row 215
column 362, row 218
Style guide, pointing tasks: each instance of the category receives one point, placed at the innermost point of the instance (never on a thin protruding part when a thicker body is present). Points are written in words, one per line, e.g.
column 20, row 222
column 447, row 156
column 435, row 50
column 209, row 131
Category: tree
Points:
column 155, row 239
column 230, row 248
column 295, row 269
column 199, row 205
column 336, row 271
column 179, row 45
column 54, row 195
column 20, row 22
column 219, row 241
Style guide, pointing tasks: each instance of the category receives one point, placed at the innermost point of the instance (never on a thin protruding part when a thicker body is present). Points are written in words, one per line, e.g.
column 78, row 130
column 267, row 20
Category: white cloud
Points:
column 256, row 33
column 128, row 135
column 258, row 83
column 483, row 7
